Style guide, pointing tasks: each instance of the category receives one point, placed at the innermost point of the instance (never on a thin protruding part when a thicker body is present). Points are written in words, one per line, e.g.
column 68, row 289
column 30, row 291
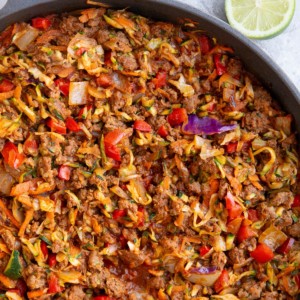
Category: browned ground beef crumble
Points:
column 105, row 191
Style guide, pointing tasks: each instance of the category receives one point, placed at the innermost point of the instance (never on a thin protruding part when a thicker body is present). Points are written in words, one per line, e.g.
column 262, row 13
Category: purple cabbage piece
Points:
column 203, row 270
column 205, row 125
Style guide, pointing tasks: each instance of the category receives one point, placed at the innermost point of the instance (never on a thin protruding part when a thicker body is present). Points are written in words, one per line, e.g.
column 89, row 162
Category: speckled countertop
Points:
column 284, row 49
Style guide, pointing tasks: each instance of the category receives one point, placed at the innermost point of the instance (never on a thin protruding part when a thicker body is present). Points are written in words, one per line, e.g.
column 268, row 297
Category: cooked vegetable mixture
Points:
column 140, row 160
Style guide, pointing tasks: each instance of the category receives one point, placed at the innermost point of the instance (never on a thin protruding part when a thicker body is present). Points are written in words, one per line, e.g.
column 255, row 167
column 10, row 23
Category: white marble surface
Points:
column 284, row 49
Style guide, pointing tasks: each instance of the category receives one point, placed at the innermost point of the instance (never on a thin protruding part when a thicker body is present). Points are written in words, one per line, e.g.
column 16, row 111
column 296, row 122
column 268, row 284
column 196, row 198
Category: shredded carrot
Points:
column 36, row 293
column 28, row 217
column 59, row 48
column 96, row 227
column 214, row 187
column 4, row 248
column 22, row 188
column 9, row 214
column 50, row 220
column 179, row 220
column 48, row 36
column 212, row 76
column 220, row 49
column 18, row 91
column 32, row 187
column 7, row 282
column 2, row 254
column 25, row 199
column 6, row 95
column 286, row 271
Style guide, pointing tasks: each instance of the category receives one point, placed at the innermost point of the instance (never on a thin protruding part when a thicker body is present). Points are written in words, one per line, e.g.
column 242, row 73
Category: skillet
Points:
column 254, row 58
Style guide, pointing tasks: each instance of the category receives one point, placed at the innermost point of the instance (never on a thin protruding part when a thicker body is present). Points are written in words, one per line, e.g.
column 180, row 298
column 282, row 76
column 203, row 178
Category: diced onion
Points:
column 272, row 237
column 206, row 279
column 78, row 93
column 25, row 37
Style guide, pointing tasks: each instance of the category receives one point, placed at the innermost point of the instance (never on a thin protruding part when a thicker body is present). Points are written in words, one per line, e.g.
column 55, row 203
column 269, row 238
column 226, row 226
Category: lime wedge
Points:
column 260, row 19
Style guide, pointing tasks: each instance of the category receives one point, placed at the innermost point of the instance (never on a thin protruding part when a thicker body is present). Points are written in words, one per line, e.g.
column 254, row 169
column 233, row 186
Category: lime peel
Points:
column 260, row 19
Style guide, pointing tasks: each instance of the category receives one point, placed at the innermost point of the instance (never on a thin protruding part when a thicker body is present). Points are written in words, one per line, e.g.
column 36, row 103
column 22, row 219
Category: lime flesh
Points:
column 259, row 18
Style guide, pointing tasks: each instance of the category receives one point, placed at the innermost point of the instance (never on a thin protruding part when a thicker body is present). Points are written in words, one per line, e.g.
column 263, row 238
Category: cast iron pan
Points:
column 254, row 58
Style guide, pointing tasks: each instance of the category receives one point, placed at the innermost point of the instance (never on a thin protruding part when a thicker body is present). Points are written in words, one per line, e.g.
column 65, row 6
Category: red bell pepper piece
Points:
column 233, row 226
column 64, row 172
column 12, row 156
column 286, row 246
column 177, row 116
column 103, row 298
column 52, row 260
column 64, row 85
column 123, row 241
column 84, row 112
column 296, row 202
column 41, row 23
column 142, row 126
column 252, row 215
column 219, row 64
column 231, row 147
column 297, row 279
column 160, row 79
column 162, row 131
column 119, row 213
column 80, row 51
column 107, row 58
column 111, row 139
column 6, row 86
column 54, row 286
column 114, row 137
column 141, row 216
column 44, row 249
column 222, row 281
column 56, row 126
column 204, row 250
column 113, row 152
column 245, row 232
column 6, row 36
column 233, row 208
column 205, row 44
column 72, row 125
column 104, row 80
column 20, row 289
column 262, row 253
column 30, row 146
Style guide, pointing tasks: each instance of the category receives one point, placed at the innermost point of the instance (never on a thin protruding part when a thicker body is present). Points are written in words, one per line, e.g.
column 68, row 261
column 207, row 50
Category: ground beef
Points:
column 219, row 259
column 128, row 62
column 294, row 230
column 191, row 103
column 251, row 290
column 237, row 256
column 45, row 169
column 257, row 122
column 252, row 194
column 116, row 287
column 98, row 279
column 269, row 296
column 117, row 188
column 95, row 260
column 35, row 277
column 132, row 260
column 161, row 29
column 8, row 238
column 282, row 198
column 75, row 293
